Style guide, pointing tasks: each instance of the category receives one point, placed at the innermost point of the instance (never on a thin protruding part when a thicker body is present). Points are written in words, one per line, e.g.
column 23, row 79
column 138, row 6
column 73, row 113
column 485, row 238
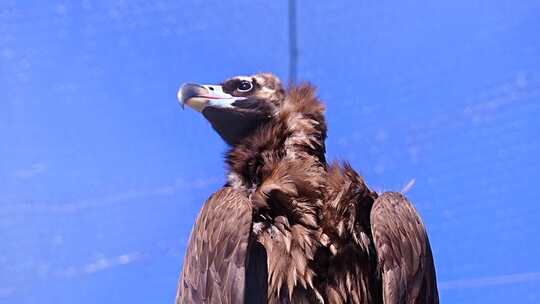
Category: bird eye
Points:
column 244, row 86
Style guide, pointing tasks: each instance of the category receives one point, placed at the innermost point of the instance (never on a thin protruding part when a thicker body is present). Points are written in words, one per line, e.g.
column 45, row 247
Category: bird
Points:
column 288, row 226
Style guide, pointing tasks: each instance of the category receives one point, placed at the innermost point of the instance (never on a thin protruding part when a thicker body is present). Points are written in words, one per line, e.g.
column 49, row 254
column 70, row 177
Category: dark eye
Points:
column 244, row 86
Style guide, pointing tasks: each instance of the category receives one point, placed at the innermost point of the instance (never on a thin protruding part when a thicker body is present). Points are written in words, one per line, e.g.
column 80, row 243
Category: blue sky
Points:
column 102, row 174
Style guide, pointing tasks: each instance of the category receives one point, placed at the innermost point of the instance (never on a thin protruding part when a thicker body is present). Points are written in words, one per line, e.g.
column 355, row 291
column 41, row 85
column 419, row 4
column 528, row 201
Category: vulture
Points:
column 288, row 227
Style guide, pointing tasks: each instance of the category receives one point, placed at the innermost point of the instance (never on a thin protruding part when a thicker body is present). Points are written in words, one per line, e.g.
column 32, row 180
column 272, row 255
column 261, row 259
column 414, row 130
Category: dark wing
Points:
column 214, row 268
column 403, row 252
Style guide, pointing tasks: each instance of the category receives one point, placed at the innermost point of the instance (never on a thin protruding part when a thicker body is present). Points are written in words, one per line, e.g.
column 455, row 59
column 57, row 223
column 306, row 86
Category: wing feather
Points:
column 403, row 251
column 214, row 267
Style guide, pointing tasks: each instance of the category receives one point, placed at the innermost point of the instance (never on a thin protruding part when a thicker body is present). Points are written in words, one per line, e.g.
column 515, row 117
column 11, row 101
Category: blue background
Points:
column 102, row 174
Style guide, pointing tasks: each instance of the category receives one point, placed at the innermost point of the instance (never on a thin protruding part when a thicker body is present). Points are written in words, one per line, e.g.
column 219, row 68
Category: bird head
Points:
column 237, row 106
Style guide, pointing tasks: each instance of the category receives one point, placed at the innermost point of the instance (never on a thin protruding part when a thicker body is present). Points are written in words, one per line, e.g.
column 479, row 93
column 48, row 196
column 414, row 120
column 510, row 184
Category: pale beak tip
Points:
column 180, row 97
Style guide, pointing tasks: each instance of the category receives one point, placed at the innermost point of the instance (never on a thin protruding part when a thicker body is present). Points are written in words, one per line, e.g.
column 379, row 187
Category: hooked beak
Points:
column 198, row 96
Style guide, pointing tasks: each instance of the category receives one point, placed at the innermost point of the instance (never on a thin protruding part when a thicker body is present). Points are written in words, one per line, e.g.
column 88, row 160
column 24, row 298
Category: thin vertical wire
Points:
column 293, row 48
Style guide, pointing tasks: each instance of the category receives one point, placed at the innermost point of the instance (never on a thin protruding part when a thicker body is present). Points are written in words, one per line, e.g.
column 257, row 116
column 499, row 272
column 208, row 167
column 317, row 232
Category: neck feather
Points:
column 295, row 134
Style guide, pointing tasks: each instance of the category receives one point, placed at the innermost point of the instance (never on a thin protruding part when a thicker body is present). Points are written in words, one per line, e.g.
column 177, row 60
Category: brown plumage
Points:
column 287, row 227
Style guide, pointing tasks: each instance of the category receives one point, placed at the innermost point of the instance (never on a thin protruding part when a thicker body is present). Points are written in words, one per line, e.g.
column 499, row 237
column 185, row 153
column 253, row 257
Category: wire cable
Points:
column 293, row 48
